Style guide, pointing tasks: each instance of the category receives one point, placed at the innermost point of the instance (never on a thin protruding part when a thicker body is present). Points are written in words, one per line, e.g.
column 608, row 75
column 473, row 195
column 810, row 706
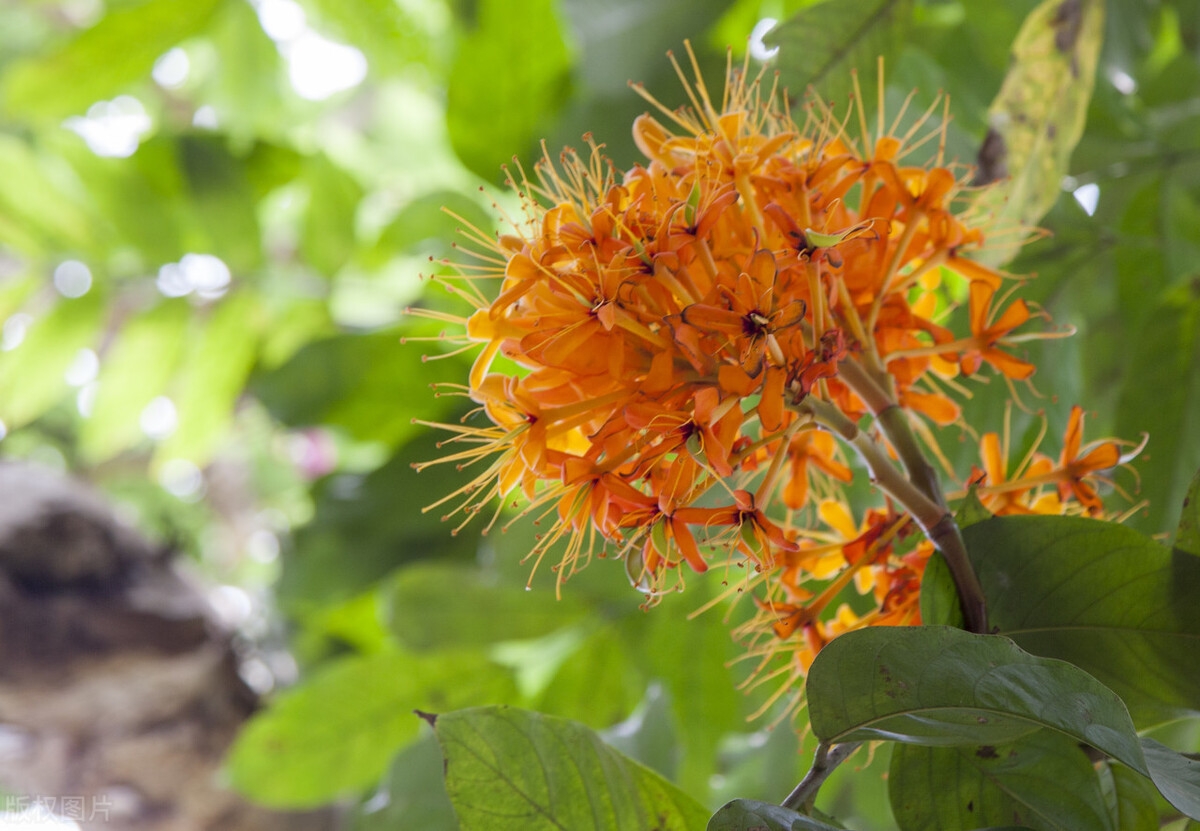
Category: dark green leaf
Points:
column 513, row 769
column 101, row 61
column 1187, row 537
column 333, row 735
column 821, row 44
column 937, row 685
column 749, row 815
column 511, row 74
column 1101, row 596
column 1043, row 781
column 1039, row 114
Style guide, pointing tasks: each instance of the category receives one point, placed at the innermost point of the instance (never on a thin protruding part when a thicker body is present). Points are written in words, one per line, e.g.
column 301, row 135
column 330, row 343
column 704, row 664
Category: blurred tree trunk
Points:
column 118, row 694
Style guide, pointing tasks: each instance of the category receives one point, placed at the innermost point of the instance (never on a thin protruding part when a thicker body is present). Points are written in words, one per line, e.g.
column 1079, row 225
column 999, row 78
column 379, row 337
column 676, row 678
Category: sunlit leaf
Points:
column 32, row 375
column 213, row 376
column 511, row 74
column 821, row 44
column 36, row 216
column 1101, row 596
column 101, row 61
column 1038, row 116
column 333, row 735
column 133, row 370
column 513, row 769
column 1043, row 781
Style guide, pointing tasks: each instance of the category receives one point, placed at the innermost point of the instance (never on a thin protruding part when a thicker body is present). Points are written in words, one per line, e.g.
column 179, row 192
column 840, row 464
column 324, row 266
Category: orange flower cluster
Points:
column 653, row 342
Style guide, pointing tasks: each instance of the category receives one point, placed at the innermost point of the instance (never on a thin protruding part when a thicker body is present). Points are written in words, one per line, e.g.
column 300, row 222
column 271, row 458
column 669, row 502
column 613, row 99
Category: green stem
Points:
column 927, row 511
column 825, row 762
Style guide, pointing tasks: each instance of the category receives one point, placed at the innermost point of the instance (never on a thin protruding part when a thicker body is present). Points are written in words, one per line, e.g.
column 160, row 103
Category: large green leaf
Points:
column 749, row 815
column 513, row 769
column 329, row 239
column 1101, row 596
column 937, row 685
column 1176, row 776
column 1161, row 396
column 333, row 735
column 101, row 61
column 1038, row 116
column 1043, row 781
column 223, row 200
column 510, row 75
column 820, row 45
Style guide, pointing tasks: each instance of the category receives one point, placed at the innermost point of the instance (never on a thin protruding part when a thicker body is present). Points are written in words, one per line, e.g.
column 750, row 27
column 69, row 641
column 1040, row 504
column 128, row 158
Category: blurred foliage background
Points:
column 213, row 214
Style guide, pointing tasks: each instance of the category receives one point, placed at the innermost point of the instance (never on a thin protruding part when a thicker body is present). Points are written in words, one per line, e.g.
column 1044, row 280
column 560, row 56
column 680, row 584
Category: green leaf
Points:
column 334, row 734
column 1101, row 596
column 370, row 385
column 224, row 202
column 412, row 791
column 1161, row 396
column 513, row 769
column 135, row 369
column 378, row 517
column 435, row 605
column 329, row 238
column 692, row 658
column 32, row 374
column 1038, row 116
column 511, row 74
column 937, row 685
column 1187, row 537
column 101, row 61
column 1176, row 776
column 1043, row 781
column 820, row 45
column 940, row 604
column 1133, row 799
column 599, row 684
column 750, row 815
column 35, row 214
column 213, row 377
